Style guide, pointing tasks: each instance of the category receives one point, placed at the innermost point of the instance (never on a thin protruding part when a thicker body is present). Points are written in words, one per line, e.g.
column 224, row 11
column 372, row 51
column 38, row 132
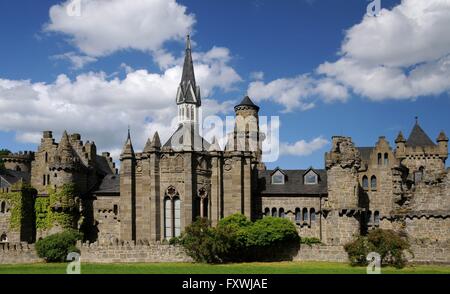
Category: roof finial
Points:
column 188, row 42
column 417, row 119
column 128, row 132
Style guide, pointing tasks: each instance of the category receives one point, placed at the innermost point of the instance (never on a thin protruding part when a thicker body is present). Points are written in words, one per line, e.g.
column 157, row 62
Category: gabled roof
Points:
column 418, row 138
column 10, row 177
column 295, row 186
column 177, row 140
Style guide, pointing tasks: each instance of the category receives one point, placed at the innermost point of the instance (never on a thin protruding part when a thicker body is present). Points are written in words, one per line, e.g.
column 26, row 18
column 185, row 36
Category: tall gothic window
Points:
column 298, row 215
column 365, row 182
column 312, row 214
column 172, row 214
column 386, row 159
column 203, row 202
column 379, row 159
column 305, row 214
column 373, row 183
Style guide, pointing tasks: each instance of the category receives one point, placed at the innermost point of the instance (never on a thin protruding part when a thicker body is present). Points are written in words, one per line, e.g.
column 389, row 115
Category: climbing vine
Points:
column 62, row 207
column 20, row 200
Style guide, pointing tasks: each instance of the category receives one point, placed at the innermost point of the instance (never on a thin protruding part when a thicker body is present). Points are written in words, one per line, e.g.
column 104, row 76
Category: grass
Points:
column 240, row 268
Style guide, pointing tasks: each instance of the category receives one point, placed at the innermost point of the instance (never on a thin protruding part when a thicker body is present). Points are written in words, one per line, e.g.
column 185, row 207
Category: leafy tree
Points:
column 54, row 248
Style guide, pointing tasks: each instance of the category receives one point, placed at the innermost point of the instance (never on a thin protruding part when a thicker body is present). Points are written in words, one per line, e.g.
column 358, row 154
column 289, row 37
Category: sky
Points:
column 323, row 67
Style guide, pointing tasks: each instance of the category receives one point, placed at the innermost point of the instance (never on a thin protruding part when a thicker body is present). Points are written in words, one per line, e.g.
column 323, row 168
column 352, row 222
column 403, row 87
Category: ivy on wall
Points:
column 20, row 199
column 59, row 208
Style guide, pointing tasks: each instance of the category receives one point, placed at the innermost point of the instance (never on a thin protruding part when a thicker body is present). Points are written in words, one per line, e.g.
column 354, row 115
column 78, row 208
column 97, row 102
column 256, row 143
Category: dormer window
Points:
column 311, row 178
column 278, row 178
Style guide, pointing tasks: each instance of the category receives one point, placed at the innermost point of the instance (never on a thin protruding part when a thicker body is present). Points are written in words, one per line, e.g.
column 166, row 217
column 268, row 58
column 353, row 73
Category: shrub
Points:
column 309, row 241
column 238, row 239
column 54, row 248
column 389, row 244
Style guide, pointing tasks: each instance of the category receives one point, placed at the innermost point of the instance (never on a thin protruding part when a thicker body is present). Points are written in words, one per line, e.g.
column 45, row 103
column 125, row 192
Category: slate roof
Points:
column 200, row 144
column 247, row 102
column 365, row 153
column 102, row 164
column 10, row 177
column 110, row 186
column 418, row 138
column 294, row 183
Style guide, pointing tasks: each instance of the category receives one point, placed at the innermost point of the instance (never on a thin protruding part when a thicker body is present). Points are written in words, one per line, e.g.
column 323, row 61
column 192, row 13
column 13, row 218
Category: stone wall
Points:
column 18, row 253
column 321, row 253
column 129, row 252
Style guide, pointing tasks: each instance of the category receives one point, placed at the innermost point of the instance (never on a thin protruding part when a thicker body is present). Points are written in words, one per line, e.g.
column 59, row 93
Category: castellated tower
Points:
column 20, row 162
column 341, row 211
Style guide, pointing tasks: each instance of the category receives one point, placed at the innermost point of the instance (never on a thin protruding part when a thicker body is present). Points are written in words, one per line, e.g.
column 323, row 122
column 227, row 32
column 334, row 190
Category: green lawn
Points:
column 241, row 268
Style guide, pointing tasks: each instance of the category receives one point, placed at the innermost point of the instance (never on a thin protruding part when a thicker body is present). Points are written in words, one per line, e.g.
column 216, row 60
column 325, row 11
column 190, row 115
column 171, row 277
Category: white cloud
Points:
column 257, row 75
column 77, row 61
column 402, row 54
column 100, row 107
column 106, row 26
column 300, row 92
column 302, row 147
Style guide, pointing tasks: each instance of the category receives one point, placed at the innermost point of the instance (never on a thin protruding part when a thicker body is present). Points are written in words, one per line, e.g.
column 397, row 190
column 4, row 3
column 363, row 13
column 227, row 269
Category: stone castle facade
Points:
column 161, row 190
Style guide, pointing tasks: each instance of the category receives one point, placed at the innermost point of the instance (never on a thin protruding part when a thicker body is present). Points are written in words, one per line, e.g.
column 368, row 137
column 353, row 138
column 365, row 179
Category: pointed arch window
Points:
column 365, row 182
column 305, row 214
column 312, row 214
column 373, row 183
column 172, row 214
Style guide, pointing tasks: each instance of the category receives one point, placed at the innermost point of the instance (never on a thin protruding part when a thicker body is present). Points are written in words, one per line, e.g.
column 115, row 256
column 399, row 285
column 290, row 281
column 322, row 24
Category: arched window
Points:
column 274, row 212
column 116, row 209
column 177, row 216
column 365, row 182
column 4, row 238
column 43, row 180
column 298, row 215
column 48, row 179
column 267, row 211
column 373, row 183
column 368, row 216
column 305, row 214
column 281, row 212
column 46, row 157
column 3, row 207
column 376, row 218
column 312, row 214
column 167, row 218
column 386, row 159
column 192, row 113
column 379, row 159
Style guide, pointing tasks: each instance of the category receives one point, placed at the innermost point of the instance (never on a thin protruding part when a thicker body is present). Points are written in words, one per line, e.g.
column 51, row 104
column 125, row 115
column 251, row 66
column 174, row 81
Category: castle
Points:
column 162, row 189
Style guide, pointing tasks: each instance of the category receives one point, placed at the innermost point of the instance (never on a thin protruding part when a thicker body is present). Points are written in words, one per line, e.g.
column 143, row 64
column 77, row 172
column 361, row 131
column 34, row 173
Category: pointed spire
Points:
column 418, row 137
column 128, row 147
column 148, row 146
column 214, row 145
column 156, row 143
column 400, row 138
column 442, row 137
column 188, row 67
column 188, row 92
column 247, row 102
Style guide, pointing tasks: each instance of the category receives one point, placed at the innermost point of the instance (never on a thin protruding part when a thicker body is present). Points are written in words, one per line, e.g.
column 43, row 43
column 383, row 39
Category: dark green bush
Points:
column 238, row 239
column 54, row 248
column 389, row 244
column 310, row 240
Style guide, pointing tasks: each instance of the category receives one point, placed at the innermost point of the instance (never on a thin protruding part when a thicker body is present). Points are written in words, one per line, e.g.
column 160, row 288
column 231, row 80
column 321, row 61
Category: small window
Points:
column 18, row 168
column 274, row 212
column 48, row 179
column 116, row 209
column 373, row 183
column 312, row 214
column 305, row 214
column 298, row 215
column 281, row 212
column 379, row 159
column 3, row 207
column 376, row 218
column 386, row 159
column 365, row 182
column 267, row 211
column 278, row 178
column 311, row 178
column 43, row 180
column 4, row 238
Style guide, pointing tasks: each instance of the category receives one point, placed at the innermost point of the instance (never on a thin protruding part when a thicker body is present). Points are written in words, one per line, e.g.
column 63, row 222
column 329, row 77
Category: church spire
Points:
column 188, row 92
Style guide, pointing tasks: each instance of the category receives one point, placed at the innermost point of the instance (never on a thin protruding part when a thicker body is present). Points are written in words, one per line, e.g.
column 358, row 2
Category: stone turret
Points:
column 442, row 141
column 400, row 142
column 342, row 164
column 127, row 211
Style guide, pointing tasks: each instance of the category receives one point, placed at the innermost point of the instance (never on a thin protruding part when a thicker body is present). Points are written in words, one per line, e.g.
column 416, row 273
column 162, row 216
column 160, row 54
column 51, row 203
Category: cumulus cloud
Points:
column 107, row 26
column 402, row 54
column 302, row 147
column 100, row 106
column 77, row 61
column 300, row 92
column 257, row 75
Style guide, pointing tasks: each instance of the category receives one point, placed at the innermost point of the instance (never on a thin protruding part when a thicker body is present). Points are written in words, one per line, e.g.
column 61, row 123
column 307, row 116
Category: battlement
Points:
column 21, row 156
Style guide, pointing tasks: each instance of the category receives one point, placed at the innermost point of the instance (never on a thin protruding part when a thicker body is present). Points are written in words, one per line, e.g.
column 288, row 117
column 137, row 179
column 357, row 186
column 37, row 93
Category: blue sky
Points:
column 324, row 68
